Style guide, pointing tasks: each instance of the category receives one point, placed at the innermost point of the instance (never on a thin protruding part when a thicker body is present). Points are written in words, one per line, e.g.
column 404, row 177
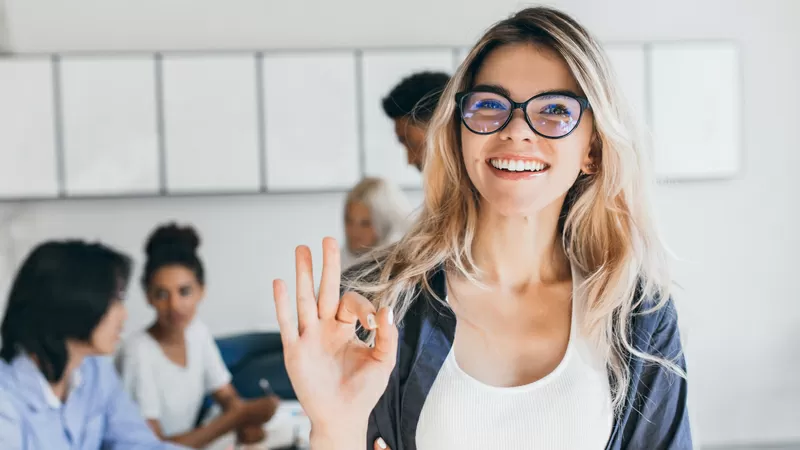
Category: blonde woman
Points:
column 531, row 296
column 376, row 213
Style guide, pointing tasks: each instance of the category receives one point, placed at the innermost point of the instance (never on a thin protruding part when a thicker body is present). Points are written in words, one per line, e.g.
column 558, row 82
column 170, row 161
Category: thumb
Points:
column 385, row 349
column 380, row 444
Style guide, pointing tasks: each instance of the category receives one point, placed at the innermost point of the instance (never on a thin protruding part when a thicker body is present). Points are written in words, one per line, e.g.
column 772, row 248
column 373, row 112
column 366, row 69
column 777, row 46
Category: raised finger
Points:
column 283, row 311
column 331, row 275
column 306, row 301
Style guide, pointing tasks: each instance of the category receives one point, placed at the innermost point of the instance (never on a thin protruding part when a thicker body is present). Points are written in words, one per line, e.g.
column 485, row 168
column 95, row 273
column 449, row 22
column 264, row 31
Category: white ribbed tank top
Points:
column 569, row 409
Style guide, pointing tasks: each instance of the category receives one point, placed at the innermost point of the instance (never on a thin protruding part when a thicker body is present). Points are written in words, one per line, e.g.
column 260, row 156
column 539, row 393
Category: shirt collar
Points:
column 35, row 385
column 50, row 397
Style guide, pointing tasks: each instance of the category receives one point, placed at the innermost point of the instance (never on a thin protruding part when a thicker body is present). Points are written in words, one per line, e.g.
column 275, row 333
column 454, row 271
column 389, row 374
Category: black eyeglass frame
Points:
column 582, row 101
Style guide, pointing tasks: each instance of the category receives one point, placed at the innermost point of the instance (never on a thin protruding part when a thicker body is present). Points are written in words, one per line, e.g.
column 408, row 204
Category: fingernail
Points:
column 371, row 323
column 390, row 316
column 381, row 443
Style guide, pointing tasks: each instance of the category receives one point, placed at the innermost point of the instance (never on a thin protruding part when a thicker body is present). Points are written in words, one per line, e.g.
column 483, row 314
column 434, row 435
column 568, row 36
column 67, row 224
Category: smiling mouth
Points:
column 518, row 165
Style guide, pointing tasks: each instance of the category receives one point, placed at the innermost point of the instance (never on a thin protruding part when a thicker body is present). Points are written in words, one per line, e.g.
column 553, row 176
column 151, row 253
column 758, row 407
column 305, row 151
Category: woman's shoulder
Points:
column 199, row 336
column 654, row 326
column 99, row 372
column 654, row 312
column 136, row 340
column 136, row 348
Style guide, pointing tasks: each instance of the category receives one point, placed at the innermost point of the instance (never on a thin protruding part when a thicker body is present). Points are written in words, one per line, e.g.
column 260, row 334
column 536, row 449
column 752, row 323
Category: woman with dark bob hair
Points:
column 58, row 389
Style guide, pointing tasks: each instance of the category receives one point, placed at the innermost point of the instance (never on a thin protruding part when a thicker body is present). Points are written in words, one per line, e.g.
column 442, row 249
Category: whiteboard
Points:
column 211, row 123
column 696, row 104
column 28, row 166
column 628, row 62
column 381, row 71
column 110, row 125
column 311, row 121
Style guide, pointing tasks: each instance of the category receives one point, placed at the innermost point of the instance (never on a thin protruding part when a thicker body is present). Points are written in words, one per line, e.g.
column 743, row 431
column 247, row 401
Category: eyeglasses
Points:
column 552, row 115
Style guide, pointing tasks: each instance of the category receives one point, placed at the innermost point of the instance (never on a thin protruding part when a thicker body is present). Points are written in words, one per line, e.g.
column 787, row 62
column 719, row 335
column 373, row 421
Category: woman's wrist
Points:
column 327, row 438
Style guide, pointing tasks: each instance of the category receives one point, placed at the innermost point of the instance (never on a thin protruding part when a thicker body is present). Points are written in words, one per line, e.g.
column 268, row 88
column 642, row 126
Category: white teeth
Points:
column 517, row 165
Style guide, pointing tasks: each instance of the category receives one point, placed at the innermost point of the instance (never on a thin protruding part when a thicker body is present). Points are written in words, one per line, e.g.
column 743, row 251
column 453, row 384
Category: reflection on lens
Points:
column 485, row 112
column 554, row 115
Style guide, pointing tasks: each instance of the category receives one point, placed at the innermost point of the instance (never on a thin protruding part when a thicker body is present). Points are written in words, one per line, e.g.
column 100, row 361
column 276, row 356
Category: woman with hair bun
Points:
column 171, row 366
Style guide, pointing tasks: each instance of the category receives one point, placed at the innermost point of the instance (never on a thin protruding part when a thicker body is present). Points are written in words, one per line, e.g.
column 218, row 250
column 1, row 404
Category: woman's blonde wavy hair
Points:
column 607, row 229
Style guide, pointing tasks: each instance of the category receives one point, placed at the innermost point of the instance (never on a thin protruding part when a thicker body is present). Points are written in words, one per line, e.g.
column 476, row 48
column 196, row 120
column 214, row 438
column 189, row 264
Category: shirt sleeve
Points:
column 661, row 417
column 10, row 429
column 125, row 428
column 216, row 374
column 138, row 379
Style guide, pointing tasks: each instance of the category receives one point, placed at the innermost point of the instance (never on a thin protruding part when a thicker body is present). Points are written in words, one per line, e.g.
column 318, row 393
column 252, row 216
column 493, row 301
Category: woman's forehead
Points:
column 525, row 70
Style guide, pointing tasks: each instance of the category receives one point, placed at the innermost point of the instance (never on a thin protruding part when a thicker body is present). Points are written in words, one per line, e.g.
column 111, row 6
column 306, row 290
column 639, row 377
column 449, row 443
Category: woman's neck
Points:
column 518, row 251
column 167, row 335
column 74, row 360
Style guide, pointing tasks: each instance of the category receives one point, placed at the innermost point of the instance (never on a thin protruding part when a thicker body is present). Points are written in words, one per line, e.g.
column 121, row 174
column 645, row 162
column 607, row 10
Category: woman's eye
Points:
column 556, row 110
column 489, row 104
column 185, row 291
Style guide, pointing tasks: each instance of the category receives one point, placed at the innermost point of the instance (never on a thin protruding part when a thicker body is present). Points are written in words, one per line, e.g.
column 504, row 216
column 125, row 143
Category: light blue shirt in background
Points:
column 97, row 415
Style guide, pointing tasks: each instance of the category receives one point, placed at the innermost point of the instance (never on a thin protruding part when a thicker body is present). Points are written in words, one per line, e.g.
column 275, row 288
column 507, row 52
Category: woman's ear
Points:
column 591, row 162
column 202, row 293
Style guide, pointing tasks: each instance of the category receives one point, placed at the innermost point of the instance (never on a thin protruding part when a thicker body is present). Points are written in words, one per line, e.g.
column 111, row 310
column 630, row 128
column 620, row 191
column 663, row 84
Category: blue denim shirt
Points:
column 654, row 417
column 97, row 414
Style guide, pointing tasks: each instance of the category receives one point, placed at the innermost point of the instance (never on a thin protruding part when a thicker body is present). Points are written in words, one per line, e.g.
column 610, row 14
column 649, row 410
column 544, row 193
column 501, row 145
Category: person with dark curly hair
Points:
column 410, row 104
column 170, row 367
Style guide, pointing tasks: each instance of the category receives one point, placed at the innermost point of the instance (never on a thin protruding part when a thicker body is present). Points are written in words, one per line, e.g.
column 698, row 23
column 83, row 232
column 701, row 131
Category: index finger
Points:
column 331, row 276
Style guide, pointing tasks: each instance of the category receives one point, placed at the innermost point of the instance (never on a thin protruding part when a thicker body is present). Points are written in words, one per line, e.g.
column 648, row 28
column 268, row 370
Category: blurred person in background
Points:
column 376, row 213
column 58, row 388
column 410, row 104
column 170, row 367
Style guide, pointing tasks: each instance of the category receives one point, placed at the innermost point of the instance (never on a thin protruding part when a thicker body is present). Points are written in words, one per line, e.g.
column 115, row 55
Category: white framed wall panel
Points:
column 109, row 116
column 696, row 110
column 211, row 123
column 311, row 121
column 28, row 159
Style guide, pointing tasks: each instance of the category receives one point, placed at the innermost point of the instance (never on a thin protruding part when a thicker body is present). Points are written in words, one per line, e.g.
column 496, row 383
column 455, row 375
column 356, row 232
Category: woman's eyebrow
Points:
column 497, row 89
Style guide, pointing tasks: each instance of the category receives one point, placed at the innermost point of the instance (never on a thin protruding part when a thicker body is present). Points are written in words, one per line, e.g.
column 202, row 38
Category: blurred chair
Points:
column 251, row 358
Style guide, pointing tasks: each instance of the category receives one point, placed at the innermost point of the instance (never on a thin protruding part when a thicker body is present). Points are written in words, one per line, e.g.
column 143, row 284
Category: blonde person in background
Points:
column 376, row 213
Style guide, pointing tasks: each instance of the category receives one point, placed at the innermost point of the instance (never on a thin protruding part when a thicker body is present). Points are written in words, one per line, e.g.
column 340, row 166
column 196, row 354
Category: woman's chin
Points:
column 510, row 206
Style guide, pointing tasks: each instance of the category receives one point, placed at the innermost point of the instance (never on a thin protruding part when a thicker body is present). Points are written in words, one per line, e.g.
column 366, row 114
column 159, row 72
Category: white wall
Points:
column 737, row 239
column 4, row 44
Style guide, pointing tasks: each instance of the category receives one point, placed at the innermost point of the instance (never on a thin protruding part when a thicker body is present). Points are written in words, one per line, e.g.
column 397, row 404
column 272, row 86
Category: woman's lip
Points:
column 516, row 157
column 522, row 175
